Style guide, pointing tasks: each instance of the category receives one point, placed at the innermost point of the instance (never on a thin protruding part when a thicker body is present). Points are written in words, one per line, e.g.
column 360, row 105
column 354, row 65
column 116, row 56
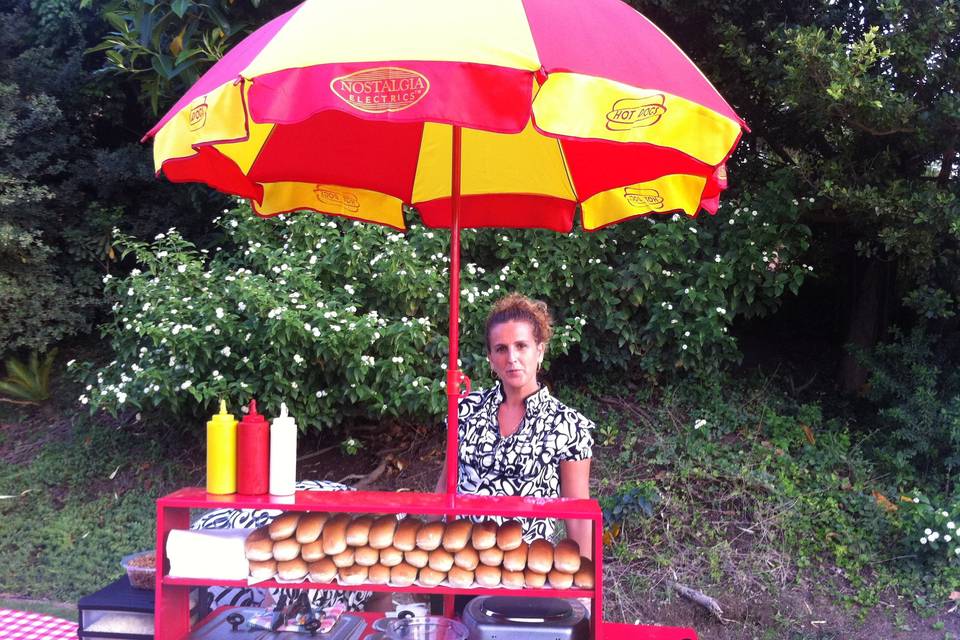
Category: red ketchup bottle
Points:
column 253, row 453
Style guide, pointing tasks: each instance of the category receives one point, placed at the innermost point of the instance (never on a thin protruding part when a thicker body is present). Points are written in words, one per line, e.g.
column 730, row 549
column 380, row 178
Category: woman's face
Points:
column 515, row 355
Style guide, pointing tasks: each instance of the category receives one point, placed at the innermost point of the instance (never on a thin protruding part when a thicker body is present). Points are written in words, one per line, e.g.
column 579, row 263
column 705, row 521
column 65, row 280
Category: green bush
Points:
column 928, row 528
column 915, row 387
column 341, row 319
column 38, row 306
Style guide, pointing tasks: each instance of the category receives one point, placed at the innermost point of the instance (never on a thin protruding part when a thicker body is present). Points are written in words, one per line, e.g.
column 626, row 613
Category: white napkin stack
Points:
column 208, row 553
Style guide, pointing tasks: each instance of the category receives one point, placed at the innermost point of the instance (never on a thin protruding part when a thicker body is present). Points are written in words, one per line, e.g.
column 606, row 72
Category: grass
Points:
column 81, row 495
column 57, row 610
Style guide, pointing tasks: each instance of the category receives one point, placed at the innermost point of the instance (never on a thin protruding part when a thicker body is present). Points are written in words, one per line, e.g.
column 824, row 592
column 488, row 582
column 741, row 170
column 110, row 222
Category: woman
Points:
column 515, row 438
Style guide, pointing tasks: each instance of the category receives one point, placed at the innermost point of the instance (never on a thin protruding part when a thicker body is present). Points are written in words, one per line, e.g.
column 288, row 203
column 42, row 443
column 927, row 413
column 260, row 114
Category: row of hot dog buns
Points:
column 382, row 549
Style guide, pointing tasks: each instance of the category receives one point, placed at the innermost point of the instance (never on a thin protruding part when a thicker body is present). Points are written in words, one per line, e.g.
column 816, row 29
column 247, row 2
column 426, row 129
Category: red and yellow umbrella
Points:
column 347, row 107
column 492, row 113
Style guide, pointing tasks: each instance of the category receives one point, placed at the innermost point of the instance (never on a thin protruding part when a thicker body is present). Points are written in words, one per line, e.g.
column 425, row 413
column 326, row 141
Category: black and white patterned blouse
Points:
column 525, row 463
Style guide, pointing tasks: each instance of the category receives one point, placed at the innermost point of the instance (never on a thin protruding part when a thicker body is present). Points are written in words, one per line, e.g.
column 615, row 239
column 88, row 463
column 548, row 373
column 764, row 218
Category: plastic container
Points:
column 253, row 453
column 222, row 453
column 283, row 454
column 426, row 628
column 141, row 568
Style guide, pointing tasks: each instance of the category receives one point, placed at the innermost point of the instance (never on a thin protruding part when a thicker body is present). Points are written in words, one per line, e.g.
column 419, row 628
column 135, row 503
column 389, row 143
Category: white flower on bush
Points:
column 397, row 359
column 923, row 541
column 298, row 358
column 321, row 394
column 83, row 399
column 721, row 311
column 367, row 360
column 699, row 423
column 294, row 385
column 951, row 525
column 225, row 351
column 181, row 268
column 927, row 532
column 219, row 312
column 945, row 514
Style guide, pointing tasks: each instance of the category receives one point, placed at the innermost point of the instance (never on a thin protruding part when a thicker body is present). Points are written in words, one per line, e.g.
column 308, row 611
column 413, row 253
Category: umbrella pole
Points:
column 454, row 375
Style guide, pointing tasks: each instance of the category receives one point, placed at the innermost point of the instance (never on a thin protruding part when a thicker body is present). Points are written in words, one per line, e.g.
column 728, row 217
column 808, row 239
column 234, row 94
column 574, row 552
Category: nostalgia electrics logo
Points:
column 198, row 115
column 645, row 199
column 343, row 199
column 631, row 113
column 381, row 90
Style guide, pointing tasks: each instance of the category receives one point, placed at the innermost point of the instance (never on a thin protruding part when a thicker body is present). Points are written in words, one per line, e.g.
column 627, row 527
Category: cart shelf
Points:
column 333, row 586
column 173, row 512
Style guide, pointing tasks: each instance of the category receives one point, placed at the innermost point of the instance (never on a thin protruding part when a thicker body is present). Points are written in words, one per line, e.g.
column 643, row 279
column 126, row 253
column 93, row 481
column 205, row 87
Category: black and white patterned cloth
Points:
column 525, row 463
column 253, row 518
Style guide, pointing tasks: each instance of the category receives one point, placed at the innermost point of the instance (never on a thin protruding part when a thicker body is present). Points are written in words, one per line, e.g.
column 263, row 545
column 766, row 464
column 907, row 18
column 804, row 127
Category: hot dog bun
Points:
column 405, row 537
column 566, row 556
column 540, row 556
column 509, row 535
column 484, row 535
column 284, row 525
column 310, row 526
column 457, row 535
column 295, row 569
column 259, row 546
column 382, row 532
column 358, row 531
column 430, row 535
column 322, row 570
column 335, row 534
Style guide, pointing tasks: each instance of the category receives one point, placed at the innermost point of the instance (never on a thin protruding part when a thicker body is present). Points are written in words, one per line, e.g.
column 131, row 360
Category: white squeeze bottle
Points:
column 283, row 454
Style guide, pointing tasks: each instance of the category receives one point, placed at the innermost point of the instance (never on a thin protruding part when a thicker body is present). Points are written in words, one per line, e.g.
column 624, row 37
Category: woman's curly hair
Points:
column 515, row 306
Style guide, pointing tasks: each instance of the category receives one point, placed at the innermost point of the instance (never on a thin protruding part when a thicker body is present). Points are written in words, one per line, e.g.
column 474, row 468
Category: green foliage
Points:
column 38, row 304
column 915, row 388
column 753, row 480
column 29, row 381
column 167, row 44
column 928, row 530
column 69, row 171
column 630, row 500
column 343, row 320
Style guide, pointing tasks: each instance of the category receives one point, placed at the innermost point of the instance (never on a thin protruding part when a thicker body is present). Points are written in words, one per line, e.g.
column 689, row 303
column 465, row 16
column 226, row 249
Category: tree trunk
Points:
column 867, row 324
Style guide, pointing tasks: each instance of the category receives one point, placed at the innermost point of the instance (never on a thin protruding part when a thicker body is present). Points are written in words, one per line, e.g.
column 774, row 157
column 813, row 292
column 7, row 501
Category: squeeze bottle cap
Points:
column 223, row 416
column 284, row 418
column 252, row 415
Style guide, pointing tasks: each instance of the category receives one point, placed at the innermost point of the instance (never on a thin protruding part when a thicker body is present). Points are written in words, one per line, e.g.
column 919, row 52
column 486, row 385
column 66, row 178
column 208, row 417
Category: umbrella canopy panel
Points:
column 347, row 109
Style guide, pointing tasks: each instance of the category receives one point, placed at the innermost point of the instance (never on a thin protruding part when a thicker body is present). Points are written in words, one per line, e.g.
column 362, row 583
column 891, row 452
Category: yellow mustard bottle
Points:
column 222, row 452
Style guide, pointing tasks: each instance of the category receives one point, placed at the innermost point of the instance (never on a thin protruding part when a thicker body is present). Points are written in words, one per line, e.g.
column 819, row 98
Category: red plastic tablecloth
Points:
column 25, row 625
